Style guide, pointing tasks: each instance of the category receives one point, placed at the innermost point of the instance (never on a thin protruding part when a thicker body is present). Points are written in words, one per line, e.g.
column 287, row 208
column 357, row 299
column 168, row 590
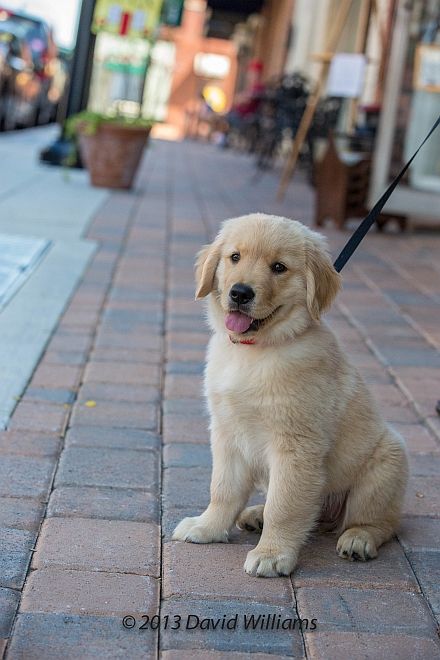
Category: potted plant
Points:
column 111, row 147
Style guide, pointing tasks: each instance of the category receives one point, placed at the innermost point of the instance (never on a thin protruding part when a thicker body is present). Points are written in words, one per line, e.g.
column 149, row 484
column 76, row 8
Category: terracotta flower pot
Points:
column 112, row 154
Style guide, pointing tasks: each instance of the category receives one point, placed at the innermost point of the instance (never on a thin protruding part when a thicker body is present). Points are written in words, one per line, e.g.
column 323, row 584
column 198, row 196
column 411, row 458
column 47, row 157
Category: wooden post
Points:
column 383, row 30
column 307, row 118
column 360, row 45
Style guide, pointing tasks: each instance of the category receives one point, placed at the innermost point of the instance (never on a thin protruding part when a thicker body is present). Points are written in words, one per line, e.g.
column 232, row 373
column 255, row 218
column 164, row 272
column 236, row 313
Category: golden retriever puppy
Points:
column 289, row 414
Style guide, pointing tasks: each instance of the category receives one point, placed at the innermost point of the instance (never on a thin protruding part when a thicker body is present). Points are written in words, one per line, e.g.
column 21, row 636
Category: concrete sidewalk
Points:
column 39, row 205
column 108, row 448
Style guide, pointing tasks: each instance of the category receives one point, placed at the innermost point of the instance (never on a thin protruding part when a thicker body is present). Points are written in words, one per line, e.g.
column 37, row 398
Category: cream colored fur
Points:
column 289, row 414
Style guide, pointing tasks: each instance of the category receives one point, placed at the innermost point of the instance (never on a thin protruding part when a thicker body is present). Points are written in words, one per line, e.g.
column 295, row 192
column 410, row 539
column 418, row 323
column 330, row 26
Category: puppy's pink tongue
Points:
column 238, row 322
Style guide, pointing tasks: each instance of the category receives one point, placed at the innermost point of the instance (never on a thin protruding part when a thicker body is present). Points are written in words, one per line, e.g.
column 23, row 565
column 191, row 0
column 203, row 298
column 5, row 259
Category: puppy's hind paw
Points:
column 263, row 563
column 251, row 519
column 356, row 544
column 196, row 530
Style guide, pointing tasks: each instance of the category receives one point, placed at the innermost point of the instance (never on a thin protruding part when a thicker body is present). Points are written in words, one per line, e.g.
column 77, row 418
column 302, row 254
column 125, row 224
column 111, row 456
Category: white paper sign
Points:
column 427, row 69
column 346, row 75
column 211, row 65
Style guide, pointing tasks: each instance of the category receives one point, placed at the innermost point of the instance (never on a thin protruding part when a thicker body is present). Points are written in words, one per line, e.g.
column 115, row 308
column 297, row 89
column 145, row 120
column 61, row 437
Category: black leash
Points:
column 369, row 220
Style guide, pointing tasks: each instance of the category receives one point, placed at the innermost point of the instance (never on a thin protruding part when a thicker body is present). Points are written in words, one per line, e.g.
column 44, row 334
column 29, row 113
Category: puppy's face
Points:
column 270, row 278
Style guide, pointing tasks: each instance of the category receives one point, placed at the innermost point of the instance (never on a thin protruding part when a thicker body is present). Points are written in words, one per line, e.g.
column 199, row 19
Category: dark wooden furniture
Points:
column 342, row 180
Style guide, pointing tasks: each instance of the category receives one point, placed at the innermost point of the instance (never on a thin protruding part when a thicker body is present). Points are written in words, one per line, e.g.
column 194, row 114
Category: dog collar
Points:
column 247, row 342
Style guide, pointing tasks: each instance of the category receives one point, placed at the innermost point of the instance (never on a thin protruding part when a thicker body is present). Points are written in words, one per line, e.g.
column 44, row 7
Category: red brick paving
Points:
column 84, row 544
column 89, row 592
column 132, row 342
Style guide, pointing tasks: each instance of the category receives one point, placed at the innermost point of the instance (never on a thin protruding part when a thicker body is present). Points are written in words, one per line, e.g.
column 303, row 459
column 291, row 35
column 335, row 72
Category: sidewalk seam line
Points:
column 167, row 240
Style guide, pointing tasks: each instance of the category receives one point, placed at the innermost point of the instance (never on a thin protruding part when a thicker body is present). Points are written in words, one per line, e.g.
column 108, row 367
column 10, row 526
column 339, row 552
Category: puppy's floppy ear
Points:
column 206, row 264
column 322, row 281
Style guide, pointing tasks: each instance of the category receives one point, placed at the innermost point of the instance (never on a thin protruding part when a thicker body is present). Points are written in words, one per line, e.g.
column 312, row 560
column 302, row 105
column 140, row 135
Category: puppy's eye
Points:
column 235, row 256
column 278, row 267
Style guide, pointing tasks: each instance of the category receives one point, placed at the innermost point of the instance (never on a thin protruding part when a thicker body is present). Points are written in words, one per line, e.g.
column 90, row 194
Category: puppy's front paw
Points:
column 196, row 530
column 269, row 563
column 356, row 544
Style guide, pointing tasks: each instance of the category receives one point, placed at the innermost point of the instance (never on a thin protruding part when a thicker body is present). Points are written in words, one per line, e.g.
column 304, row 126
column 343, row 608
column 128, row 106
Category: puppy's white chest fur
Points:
column 252, row 379
column 239, row 384
column 239, row 376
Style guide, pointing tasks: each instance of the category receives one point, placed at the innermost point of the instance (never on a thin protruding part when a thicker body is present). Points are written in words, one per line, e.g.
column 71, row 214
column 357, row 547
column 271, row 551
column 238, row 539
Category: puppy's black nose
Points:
column 241, row 293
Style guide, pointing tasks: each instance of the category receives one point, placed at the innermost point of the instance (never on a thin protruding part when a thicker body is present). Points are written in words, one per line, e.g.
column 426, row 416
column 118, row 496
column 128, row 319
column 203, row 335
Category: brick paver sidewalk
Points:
column 109, row 446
